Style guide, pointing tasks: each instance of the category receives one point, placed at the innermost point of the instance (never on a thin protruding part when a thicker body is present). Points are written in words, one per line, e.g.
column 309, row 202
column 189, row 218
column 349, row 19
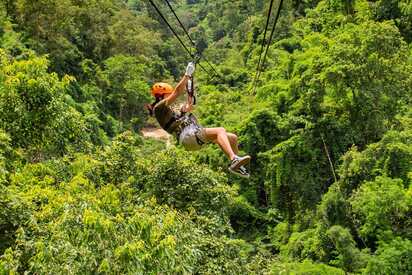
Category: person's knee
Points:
column 232, row 136
column 221, row 131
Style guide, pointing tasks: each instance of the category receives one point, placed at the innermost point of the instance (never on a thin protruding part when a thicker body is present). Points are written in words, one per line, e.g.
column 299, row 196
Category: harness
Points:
column 185, row 120
column 190, row 121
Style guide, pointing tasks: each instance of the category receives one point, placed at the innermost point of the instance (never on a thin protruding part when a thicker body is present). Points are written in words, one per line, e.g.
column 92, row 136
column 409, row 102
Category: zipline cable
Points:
column 268, row 44
column 271, row 34
column 263, row 41
column 175, row 34
column 188, row 36
column 180, row 22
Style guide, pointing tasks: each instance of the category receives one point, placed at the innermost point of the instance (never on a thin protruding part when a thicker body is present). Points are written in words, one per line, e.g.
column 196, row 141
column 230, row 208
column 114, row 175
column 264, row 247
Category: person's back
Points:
column 166, row 117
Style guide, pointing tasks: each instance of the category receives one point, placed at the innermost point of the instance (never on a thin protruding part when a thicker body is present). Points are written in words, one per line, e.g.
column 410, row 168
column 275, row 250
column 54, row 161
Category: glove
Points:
column 190, row 69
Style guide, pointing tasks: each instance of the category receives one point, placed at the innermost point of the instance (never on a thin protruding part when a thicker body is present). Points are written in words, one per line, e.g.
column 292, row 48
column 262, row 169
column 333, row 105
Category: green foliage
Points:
column 186, row 185
column 33, row 109
column 126, row 91
column 260, row 132
column 389, row 157
column 119, row 160
column 392, row 258
column 56, row 25
column 333, row 209
column 70, row 31
column 280, row 234
column 291, row 168
column 349, row 258
column 382, row 205
column 328, row 129
column 324, row 93
column 130, row 35
column 54, row 218
column 6, row 156
column 306, row 267
column 223, row 107
column 13, row 214
column 337, row 81
column 222, row 256
column 246, row 220
column 309, row 244
column 10, row 40
column 70, row 222
column 398, row 11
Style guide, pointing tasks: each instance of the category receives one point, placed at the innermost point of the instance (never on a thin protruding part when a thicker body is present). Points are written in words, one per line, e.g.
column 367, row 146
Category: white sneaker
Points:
column 239, row 161
column 241, row 172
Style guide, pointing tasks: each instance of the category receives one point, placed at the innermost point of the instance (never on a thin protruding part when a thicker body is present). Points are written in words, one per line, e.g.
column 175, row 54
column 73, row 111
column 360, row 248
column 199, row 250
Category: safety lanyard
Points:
column 190, row 88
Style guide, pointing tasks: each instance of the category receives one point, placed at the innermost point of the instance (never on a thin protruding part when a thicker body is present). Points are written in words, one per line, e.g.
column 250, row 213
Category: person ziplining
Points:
column 184, row 126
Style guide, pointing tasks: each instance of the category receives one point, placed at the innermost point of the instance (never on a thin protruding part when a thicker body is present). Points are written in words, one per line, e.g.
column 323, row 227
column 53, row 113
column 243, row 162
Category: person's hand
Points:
column 186, row 108
column 190, row 69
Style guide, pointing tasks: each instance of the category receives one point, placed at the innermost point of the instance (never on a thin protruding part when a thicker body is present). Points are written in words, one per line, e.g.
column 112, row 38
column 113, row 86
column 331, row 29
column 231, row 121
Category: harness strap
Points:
column 198, row 140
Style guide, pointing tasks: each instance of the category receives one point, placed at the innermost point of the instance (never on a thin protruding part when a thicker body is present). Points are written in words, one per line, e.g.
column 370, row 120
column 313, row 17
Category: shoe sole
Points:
column 238, row 174
column 244, row 161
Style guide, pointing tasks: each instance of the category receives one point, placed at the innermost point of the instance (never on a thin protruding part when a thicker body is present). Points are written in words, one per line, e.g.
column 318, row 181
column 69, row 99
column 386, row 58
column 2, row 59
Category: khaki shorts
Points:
column 193, row 137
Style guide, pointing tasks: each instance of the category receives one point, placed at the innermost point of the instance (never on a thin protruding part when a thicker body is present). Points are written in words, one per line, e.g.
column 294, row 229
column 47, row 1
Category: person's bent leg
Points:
column 220, row 137
column 233, row 142
column 228, row 144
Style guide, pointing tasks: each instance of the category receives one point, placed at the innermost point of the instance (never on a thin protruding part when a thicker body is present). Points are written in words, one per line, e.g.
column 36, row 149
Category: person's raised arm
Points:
column 179, row 89
column 182, row 84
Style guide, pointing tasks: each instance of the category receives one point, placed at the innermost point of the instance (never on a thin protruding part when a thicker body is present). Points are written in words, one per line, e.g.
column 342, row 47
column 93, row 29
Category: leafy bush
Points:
column 389, row 157
column 13, row 214
column 309, row 244
column 80, row 229
column 334, row 208
column 6, row 153
column 382, row 205
column 33, row 110
column 306, row 267
column 348, row 256
column 186, row 185
column 394, row 257
column 126, row 91
column 79, row 226
column 119, row 159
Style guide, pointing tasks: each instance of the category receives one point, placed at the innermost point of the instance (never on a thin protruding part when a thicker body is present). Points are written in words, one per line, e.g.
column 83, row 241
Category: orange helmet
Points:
column 160, row 88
